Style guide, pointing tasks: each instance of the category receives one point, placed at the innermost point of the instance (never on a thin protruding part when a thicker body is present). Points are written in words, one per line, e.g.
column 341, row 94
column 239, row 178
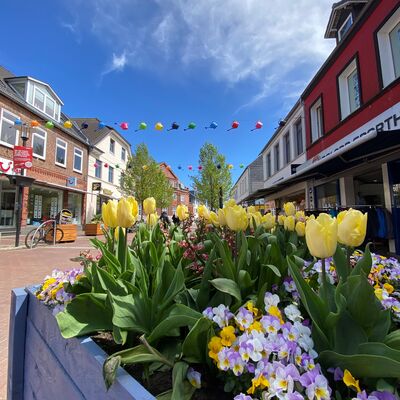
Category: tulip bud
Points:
column 182, row 212
column 268, row 220
column 321, row 236
column 127, row 212
column 236, row 218
column 230, row 203
column 352, row 227
column 300, row 228
column 300, row 216
column 254, row 219
column 289, row 208
column 290, row 223
column 149, row 205
column 109, row 213
column 151, row 219
column 214, row 218
column 203, row 212
column 281, row 219
column 221, row 217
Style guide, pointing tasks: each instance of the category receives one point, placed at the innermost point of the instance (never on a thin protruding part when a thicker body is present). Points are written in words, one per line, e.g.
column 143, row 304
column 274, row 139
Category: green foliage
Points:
column 210, row 179
column 350, row 326
column 145, row 182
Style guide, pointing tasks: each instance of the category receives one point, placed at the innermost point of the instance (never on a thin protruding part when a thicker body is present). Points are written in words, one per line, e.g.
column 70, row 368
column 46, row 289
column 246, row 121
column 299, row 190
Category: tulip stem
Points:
column 323, row 276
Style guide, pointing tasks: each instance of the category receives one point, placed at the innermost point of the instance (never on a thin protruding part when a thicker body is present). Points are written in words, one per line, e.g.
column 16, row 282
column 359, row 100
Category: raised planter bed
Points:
column 43, row 365
column 93, row 230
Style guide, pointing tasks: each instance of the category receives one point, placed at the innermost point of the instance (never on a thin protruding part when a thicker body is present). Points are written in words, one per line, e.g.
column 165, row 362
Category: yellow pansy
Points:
column 350, row 381
column 227, row 336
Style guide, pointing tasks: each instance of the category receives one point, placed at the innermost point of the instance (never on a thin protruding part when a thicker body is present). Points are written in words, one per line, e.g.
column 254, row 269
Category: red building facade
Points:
column 181, row 193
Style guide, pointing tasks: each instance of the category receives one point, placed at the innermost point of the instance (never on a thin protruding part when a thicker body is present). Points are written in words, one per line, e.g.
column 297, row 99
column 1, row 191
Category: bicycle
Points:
column 45, row 233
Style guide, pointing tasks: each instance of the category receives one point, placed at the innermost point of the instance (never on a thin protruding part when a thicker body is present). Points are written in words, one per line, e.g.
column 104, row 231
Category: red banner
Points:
column 22, row 157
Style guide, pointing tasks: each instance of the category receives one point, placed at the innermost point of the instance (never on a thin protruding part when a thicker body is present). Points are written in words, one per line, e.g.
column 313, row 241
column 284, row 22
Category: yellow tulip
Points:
column 230, row 203
column 151, row 219
column 290, row 223
column 300, row 216
column 281, row 219
column 236, row 218
column 352, row 227
column 127, row 212
column 268, row 220
column 321, row 236
column 214, row 218
column 182, row 212
column 251, row 210
column 254, row 219
column 289, row 208
column 109, row 213
column 301, row 228
column 149, row 205
column 221, row 217
column 203, row 212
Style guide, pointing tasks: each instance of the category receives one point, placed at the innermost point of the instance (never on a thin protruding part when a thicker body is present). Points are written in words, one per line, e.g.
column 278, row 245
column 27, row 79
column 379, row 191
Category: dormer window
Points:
column 45, row 103
column 348, row 22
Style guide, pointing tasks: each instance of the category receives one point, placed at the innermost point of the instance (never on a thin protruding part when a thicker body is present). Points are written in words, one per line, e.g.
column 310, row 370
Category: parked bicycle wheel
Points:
column 49, row 238
column 32, row 240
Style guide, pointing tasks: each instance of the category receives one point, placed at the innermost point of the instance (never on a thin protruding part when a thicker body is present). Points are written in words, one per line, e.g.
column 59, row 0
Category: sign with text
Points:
column 22, row 157
column 96, row 186
column 72, row 181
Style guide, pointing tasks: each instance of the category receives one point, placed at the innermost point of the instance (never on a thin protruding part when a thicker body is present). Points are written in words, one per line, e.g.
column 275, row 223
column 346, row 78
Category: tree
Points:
column 144, row 178
column 214, row 176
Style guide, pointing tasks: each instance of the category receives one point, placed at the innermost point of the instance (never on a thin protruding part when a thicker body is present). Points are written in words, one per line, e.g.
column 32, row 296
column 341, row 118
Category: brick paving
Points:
column 22, row 267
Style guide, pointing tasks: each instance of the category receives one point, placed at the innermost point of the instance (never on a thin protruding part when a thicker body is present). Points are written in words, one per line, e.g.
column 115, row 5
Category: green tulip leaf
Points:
column 361, row 365
column 393, row 339
column 110, row 369
column 273, row 269
column 364, row 264
column 86, row 313
column 379, row 349
column 195, row 344
column 341, row 264
column 227, row 286
column 181, row 388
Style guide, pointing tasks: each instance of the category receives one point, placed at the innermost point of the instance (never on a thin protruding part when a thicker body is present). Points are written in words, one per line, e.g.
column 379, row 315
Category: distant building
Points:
column 181, row 193
column 108, row 155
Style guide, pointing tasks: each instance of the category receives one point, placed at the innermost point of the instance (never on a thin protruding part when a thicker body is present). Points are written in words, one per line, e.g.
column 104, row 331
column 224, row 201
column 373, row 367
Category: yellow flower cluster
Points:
column 121, row 213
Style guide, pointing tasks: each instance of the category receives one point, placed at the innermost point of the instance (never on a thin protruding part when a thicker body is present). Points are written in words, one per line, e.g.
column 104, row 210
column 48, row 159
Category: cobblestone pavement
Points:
column 22, row 267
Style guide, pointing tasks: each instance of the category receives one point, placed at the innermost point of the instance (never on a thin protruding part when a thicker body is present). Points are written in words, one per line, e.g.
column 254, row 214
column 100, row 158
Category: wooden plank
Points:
column 83, row 360
column 16, row 344
column 44, row 375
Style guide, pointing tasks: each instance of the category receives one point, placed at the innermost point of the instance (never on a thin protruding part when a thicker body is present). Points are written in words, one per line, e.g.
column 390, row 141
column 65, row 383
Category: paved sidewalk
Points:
column 22, row 267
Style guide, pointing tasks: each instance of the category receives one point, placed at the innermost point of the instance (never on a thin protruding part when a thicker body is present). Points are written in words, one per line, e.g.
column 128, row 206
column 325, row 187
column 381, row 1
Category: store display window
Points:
column 43, row 204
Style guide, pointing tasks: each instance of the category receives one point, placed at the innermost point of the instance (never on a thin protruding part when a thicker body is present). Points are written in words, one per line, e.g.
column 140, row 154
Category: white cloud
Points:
column 237, row 40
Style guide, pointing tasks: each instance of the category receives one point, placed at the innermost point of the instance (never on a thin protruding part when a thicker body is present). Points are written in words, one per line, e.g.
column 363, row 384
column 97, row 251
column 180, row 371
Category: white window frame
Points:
column 56, row 113
column 58, row 140
column 340, row 36
column 76, row 151
column 315, row 122
column 123, row 151
column 100, row 166
column 35, row 88
column 42, row 134
column 298, row 122
column 286, row 142
column 344, row 89
column 112, row 140
column 385, row 49
column 6, row 144
column 113, row 176
column 277, row 160
column 182, row 198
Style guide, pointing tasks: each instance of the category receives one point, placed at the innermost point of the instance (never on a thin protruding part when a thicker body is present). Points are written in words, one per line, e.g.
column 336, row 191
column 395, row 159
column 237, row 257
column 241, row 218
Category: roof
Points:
column 337, row 9
column 94, row 134
column 8, row 91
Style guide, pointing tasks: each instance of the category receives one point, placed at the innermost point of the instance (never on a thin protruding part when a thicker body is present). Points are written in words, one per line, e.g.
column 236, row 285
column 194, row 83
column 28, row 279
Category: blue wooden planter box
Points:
column 43, row 365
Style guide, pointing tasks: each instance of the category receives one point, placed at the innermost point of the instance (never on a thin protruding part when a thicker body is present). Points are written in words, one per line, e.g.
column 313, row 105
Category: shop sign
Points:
column 96, row 186
column 22, row 157
column 108, row 192
column 72, row 181
column 6, row 166
column 387, row 121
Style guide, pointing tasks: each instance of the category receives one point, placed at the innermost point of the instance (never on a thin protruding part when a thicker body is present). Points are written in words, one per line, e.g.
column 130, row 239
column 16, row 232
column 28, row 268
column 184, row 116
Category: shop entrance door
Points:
column 394, row 180
column 7, row 205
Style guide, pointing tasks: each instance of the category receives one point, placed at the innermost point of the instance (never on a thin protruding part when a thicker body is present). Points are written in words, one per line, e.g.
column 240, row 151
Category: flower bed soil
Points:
column 159, row 382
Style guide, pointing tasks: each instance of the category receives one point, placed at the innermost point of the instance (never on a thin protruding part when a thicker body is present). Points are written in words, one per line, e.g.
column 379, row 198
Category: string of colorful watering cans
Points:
column 141, row 127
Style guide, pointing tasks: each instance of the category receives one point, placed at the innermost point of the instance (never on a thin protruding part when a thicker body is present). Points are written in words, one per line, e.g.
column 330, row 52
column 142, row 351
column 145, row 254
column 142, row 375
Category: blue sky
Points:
column 172, row 60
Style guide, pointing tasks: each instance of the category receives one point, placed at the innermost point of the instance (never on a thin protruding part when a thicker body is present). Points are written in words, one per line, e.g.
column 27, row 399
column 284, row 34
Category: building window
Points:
column 123, row 154
column 277, row 160
column 345, row 27
column 111, row 174
column 175, row 196
column 349, row 90
column 316, row 121
column 61, row 153
column 298, row 134
column 268, row 163
column 388, row 39
column 38, row 100
column 39, row 143
column 9, row 133
column 97, row 171
column 78, row 156
column 112, row 146
column 182, row 197
column 46, row 104
column 286, row 140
